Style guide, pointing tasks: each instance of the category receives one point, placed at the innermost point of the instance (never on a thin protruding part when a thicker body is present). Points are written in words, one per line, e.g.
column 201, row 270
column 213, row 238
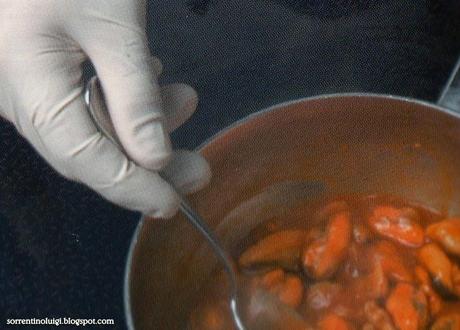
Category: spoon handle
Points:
column 203, row 228
column 99, row 113
column 225, row 258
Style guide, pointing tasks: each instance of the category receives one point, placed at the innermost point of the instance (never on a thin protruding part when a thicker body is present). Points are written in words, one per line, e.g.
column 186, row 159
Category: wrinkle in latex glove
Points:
column 43, row 45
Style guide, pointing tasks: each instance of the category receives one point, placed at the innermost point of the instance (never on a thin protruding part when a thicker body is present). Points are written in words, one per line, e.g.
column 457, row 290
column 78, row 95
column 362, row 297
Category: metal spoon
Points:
column 97, row 108
column 277, row 199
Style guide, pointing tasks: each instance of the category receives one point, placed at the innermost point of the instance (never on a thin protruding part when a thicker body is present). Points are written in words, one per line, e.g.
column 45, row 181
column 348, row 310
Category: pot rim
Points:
column 275, row 107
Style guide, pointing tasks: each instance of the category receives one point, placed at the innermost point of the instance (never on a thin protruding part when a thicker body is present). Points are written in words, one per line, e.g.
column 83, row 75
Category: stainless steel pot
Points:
column 352, row 143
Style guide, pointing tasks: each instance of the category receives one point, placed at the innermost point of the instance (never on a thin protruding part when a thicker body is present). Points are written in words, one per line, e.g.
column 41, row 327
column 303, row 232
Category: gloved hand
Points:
column 43, row 44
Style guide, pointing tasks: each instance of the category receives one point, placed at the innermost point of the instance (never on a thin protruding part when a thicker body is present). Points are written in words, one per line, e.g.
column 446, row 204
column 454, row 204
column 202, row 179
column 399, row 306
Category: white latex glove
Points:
column 43, row 44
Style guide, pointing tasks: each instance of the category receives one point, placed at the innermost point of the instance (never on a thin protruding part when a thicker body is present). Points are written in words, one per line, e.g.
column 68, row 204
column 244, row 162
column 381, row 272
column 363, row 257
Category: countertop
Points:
column 63, row 248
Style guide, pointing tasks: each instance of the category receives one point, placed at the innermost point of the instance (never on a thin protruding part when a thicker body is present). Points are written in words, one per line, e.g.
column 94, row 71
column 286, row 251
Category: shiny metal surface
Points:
column 352, row 143
column 225, row 258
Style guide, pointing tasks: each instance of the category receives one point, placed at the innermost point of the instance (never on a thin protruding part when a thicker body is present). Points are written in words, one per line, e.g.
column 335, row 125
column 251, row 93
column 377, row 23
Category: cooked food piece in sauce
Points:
column 322, row 257
column 378, row 318
column 447, row 234
column 372, row 285
column 288, row 288
column 333, row 322
column 397, row 224
column 408, row 307
column 363, row 263
column 438, row 264
column 280, row 249
column 321, row 296
column 387, row 255
column 424, row 281
column 361, row 233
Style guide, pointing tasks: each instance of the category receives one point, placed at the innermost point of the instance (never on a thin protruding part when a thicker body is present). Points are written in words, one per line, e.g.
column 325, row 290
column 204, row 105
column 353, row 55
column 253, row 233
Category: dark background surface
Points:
column 63, row 249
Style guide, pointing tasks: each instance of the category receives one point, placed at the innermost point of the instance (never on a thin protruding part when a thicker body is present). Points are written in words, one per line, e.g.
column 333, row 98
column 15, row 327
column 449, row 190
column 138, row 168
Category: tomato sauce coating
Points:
column 361, row 262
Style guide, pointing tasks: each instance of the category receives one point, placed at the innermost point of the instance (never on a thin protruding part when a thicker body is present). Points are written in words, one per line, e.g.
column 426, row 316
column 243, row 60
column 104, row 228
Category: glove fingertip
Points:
column 168, row 205
column 188, row 172
column 151, row 148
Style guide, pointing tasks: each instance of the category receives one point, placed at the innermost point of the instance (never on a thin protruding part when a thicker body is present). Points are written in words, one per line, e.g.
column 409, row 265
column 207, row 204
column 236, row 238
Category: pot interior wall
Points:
column 351, row 144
